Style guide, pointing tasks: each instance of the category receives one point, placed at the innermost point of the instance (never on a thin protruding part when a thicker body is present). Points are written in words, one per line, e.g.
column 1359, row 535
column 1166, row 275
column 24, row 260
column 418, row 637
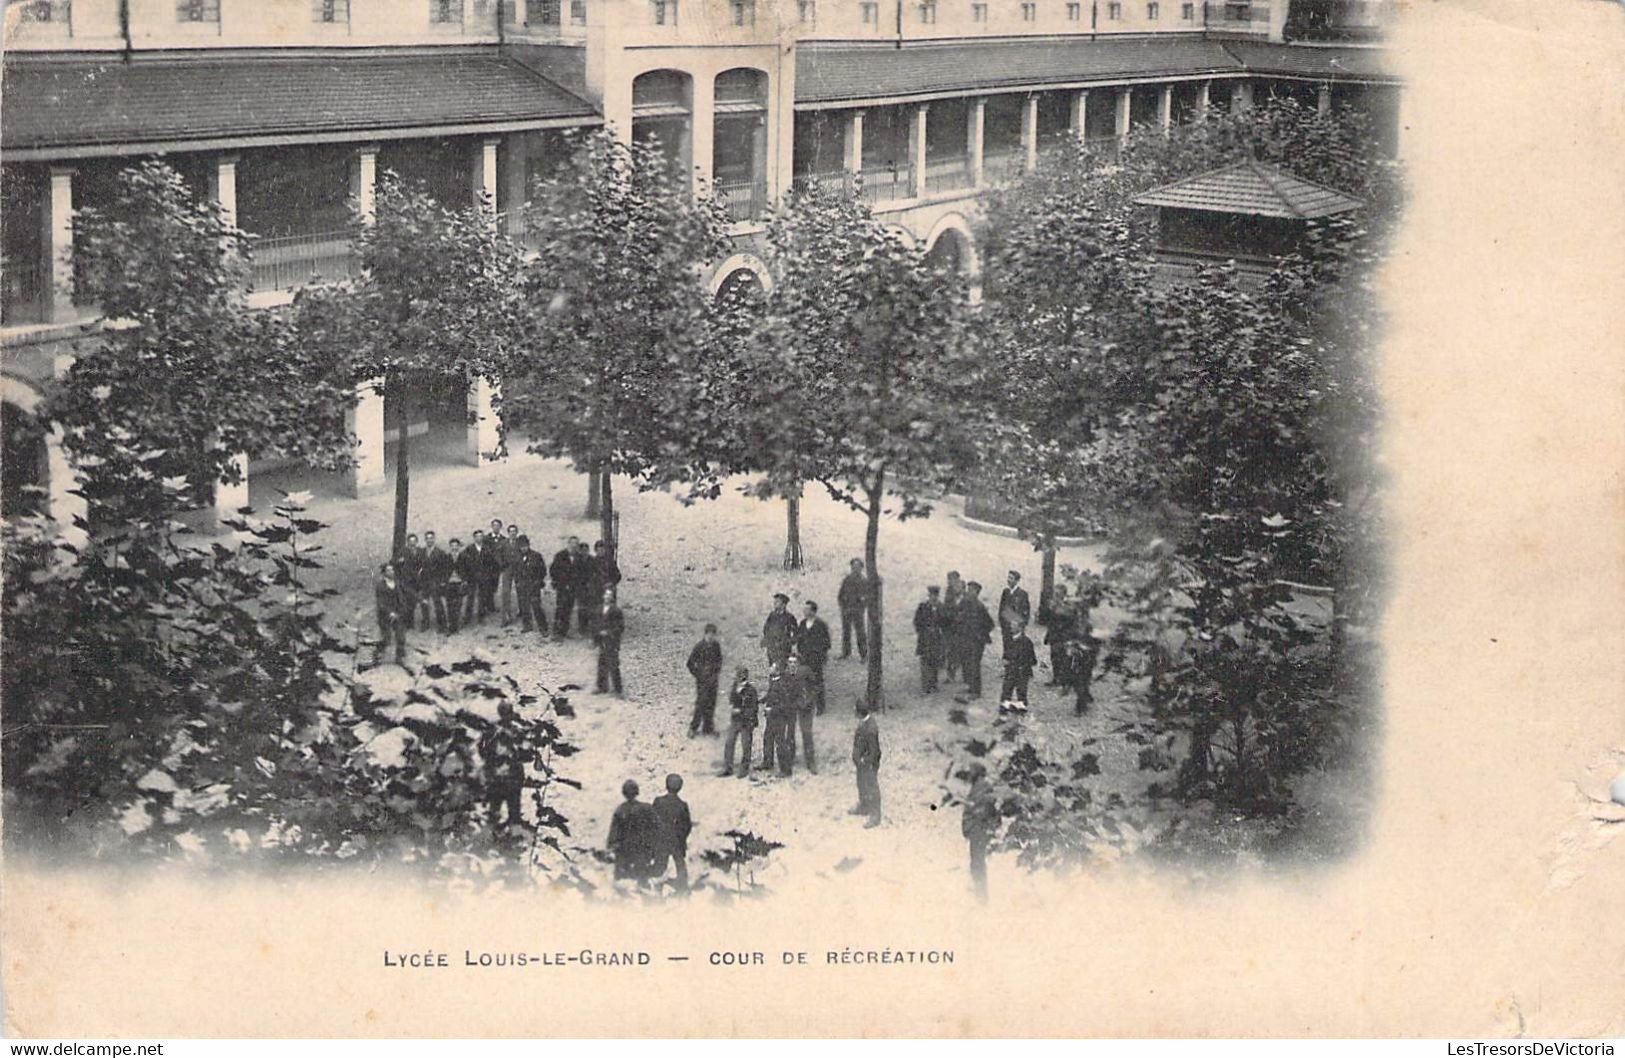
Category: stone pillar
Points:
column 1029, row 133
column 916, row 150
column 364, row 182
column 365, row 422
column 56, row 246
column 702, row 120
column 1125, row 104
column 852, row 145
column 1241, row 95
column 483, row 425
column 975, row 142
column 230, row 497
column 483, row 174
column 1323, row 99
column 1203, row 100
column 1078, row 122
column 223, row 186
column 1165, row 109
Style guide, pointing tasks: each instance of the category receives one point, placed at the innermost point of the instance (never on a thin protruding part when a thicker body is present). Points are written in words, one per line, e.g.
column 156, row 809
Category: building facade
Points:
column 285, row 111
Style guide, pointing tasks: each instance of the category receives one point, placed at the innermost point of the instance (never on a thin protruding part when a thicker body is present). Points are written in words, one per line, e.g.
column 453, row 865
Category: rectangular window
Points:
column 978, row 12
column 665, row 12
column 1114, row 10
column 807, row 12
column 1238, row 12
column 1074, row 12
column 197, row 10
column 1029, row 12
column 1153, row 10
column 1187, row 12
column 578, row 12
column 744, row 12
column 446, row 11
column 928, row 13
column 330, row 11
column 870, row 13
column 542, row 12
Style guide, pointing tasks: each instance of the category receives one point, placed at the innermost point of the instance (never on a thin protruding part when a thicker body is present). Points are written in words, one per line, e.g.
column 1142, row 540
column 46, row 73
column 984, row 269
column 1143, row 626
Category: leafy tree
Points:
column 862, row 376
column 620, row 327
column 436, row 300
column 184, row 376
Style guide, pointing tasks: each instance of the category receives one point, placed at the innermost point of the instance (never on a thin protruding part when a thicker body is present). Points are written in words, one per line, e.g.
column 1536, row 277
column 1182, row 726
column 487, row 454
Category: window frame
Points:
column 1153, row 10
column 330, row 12
column 1114, row 11
column 869, row 13
column 978, row 13
column 1029, row 11
column 742, row 13
column 1074, row 11
column 197, row 12
column 447, row 12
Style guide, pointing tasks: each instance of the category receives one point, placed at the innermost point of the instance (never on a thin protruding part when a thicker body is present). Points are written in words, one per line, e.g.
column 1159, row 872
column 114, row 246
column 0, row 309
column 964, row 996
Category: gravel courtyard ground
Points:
column 721, row 561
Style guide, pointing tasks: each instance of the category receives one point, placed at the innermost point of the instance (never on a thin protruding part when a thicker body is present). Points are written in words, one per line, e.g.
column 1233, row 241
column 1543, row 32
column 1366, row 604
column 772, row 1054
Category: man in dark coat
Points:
column 1020, row 659
column 853, row 601
column 392, row 602
column 779, row 631
column 1059, row 623
column 675, row 826
column 607, row 632
column 634, row 832
column 454, row 587
column 743, row 703
column 928, row 638
column 1014, row 608
column 589, row 588
column 798, row 678
column 433, row 571
column 813, row 645
column 471, row 564
column 953, row 651
column 866, row 762
column 504, row 769
column 975, row 627
column 608, row 570
column 705, row 665
column 491, row 563
column 780, row 706
column 508, row 576
column 1085, row 652
column 529, row 577
column 566, row 581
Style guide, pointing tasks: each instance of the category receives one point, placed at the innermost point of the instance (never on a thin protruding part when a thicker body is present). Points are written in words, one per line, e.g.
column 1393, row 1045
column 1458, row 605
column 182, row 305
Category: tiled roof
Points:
column 1302, row 60
column 831, row 73
column 1254, row 189
column 106, row 101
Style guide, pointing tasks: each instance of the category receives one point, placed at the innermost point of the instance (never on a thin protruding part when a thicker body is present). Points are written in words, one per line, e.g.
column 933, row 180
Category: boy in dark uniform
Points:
column 607, row 631
column 633, row 831
column 589, row 589
column 705, row 665
column 408, row 567
column 529, row 577
column 454, row 587
column 780, row 707
column 675, row 826
column 779, row 631
column 471, row 564
column 866, row 762
column 565, row 580
column 742, row 717
column 392, row 601
column 975, row 627
column 853, row 602
column 1019, row 661
column 504, row 770
column 928, row 621
column 436, row 568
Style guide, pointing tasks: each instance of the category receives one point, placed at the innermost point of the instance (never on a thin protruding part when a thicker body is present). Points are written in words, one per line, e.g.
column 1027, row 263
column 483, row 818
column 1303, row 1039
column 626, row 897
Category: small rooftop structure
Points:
column 1249, row 212
column 1253, row 189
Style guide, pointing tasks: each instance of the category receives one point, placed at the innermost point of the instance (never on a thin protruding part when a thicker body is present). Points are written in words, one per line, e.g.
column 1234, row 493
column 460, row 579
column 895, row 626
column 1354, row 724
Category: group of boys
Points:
column 796, row 654
column 644, row 837
column 498, row 573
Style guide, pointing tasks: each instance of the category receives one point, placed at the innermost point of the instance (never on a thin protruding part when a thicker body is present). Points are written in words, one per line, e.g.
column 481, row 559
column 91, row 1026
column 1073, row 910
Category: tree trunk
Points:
column 871, row 551
column 403, row 479
column 792, row 531
column 1046, row 583
column 595, row 483
column 606, row 514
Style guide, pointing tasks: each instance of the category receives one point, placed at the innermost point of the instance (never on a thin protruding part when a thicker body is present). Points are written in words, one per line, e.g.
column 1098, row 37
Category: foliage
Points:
column 184, row 377
column 174, row 698
column 861, row 374
column 1040, row 795
column 437, row 299
column 619, row 333
column 741, row 859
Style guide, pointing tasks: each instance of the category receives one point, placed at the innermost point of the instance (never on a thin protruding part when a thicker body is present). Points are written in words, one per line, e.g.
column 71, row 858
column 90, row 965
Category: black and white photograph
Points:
column 703, row 475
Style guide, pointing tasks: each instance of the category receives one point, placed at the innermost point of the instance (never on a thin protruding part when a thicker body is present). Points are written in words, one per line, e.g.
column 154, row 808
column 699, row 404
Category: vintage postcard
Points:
column 808, row 518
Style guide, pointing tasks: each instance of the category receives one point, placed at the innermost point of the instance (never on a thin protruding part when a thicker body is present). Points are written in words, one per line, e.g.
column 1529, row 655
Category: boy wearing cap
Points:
column 779, row 631
column 742, row 716
column 705, row 665
column 675, row 825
